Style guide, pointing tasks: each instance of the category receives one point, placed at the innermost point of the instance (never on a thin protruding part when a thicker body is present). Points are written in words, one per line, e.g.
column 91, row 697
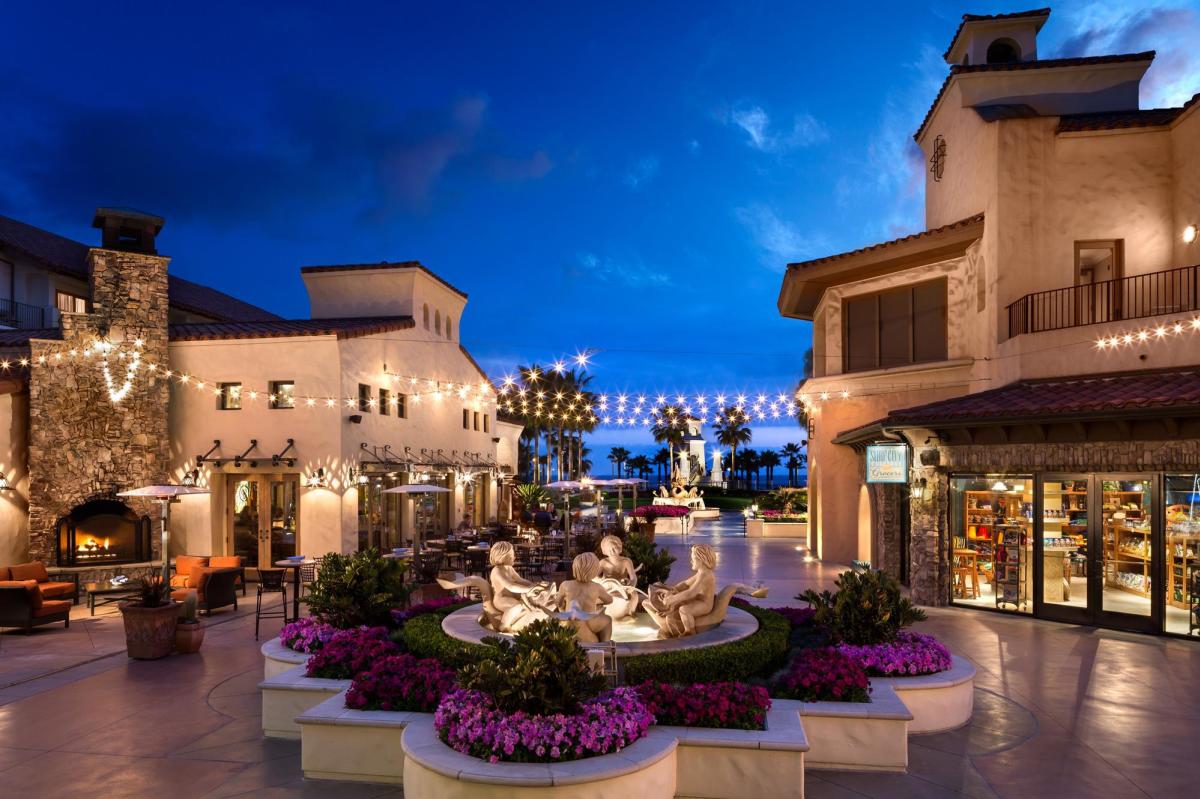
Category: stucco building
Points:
column 1033, row 349
column 115, row 374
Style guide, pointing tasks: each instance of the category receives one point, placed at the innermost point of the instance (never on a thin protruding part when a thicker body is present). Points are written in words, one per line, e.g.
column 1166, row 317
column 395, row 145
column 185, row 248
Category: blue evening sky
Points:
column 627, row 177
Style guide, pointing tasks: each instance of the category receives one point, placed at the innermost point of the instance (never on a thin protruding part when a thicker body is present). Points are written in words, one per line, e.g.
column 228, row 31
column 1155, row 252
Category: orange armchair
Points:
column 184, row 564
column 36, row 571
column 231, row 562
column 214, row 588
column 22, row 605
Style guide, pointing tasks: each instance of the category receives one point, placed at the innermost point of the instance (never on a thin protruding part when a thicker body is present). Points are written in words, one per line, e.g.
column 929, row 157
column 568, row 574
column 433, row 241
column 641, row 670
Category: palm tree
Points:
column 618, row 456
column 662, row 459
column 732, row 432
column 769, row 460
column 793, row 453
column 669, row 430
column 641, row 465
column 750, row 466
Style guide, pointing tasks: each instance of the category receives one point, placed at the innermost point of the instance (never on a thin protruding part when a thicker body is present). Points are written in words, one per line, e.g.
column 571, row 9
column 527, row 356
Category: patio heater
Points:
column 165, row 495
column 417, row 488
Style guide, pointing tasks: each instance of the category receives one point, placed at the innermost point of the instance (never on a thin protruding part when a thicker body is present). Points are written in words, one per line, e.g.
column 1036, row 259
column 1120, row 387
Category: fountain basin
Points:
column 639, row 637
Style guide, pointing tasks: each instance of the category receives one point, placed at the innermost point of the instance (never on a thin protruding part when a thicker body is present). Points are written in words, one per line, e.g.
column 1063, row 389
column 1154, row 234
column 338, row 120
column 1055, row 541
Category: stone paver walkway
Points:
column 1061, row 712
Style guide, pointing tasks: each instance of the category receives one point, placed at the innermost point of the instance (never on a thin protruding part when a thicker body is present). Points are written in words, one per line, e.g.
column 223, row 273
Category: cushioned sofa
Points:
column 185, row 563
column 36, row 571
column 23, row 605
column 214, row 588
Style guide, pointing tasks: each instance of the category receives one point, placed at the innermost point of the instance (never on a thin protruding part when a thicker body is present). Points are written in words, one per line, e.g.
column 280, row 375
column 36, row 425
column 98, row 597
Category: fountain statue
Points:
column 619, row 578
column 693, row 605
column 684, row 470
column 717, row 474
column 602, row 593
column 510, row 602
column 585, row 601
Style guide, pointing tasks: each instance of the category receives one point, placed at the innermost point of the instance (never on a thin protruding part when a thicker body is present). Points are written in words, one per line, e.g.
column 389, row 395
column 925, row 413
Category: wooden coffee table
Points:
column 109, row 593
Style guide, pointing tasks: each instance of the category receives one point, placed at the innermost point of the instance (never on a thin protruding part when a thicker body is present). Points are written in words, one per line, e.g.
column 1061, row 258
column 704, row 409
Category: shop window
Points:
column 1181, row 494
column 365, row 399
column 991, row 523
column 895, row 327
column 281, row 394
column 70, row 303
column 385, row 402
column 230, row 398
column 466, row 419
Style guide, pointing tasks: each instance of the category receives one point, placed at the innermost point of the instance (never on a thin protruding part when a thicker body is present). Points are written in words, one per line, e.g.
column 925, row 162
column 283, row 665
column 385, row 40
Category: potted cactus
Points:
column 150, row 620
column 189, row 633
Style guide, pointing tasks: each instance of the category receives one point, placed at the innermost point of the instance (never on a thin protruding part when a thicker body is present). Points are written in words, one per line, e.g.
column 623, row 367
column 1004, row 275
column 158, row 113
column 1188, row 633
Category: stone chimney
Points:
column 88, row 440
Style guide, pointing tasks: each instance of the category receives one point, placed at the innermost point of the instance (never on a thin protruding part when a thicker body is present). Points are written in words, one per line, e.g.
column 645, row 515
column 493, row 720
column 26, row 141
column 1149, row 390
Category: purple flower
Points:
column 431, row 606
column 401, row 682
column 823, row 675
column 469, row 722
column 349, row 652
column 306, row 635
column 910, row 654
column 730, row 705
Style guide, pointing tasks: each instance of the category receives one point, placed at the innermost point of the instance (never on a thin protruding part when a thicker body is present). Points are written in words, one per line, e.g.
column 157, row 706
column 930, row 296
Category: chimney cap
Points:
column 124, row 213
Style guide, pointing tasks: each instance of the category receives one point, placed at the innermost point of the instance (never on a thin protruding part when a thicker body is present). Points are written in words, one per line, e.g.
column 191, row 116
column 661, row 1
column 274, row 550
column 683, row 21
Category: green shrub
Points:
column 866, row 609
column 358, row 589
column 425, row 638
column 755, row 657
column 542, row 670
column 655, row 562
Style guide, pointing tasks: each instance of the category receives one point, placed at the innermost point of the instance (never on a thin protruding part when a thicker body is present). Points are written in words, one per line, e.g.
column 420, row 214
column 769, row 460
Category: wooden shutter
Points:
column 861, row 333
column 895, row 328
column 929, row 321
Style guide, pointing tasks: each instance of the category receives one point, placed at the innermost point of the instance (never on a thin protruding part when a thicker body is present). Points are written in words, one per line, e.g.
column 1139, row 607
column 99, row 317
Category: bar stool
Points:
column 270, row 581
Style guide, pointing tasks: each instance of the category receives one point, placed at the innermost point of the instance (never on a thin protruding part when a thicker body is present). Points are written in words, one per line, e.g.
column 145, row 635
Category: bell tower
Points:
column 996, row 38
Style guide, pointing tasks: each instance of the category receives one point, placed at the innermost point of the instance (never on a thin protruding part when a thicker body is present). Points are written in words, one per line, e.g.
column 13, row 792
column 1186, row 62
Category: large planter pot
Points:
column 647, row 530
column 188, row 637
column 150, row 632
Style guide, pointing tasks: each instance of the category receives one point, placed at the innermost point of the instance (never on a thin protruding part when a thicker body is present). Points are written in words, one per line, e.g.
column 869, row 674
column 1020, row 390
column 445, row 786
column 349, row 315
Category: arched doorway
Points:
column 865, row 523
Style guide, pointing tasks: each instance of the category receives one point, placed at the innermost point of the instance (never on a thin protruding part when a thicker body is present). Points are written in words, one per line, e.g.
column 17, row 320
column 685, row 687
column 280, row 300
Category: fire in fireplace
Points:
column 103, row 532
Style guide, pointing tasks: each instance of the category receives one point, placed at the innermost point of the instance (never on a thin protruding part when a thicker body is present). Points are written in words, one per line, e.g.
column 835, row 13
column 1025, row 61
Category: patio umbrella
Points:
column 621, row 482
column 166, row 494
column 565, row 486
column 417, row 488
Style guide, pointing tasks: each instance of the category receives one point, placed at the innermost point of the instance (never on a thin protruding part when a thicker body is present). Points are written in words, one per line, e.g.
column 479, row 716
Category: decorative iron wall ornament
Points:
column 937, row 161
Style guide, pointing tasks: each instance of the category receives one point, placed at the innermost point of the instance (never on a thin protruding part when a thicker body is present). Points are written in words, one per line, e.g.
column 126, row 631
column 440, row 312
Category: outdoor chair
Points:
column 477, row 562
column 214, row 588
column 183, row 566
column 271, row 581
column 231, row 562
column 308, row 573
column 428, row 564
column 22, row 605
column 65, row 587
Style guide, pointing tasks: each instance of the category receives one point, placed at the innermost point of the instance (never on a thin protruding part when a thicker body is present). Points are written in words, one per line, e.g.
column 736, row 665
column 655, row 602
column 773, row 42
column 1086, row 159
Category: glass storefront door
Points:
column 1096, row 559
column 1181, row 520
column 263, row 513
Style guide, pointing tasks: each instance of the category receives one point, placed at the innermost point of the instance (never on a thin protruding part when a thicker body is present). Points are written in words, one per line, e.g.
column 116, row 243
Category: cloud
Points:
column 304, row 149
column 756, row 123
column 617, row 271
column 642, row 172
column 693, row 147
column 1171, row 29
column 780, row 242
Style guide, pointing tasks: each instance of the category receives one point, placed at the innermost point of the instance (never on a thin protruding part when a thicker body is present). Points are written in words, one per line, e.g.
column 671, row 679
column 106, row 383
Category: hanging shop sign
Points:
column 887, row 463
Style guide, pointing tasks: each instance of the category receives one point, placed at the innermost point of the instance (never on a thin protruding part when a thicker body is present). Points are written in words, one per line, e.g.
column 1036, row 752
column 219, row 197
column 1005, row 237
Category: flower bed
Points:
column 424, row 637
column 468, row 722
column 306, row 635
column 781, row 516
column 349, row 652
column 650, row 512
column 823, row 675
column 799, row 617
column 401, row 682
column 726, row 705
column 910, row 654
column 445, row 603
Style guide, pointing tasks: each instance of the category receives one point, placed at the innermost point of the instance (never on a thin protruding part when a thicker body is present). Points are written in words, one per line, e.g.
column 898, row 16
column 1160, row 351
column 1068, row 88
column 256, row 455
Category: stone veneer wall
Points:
column 82, row 445
column 929, row 560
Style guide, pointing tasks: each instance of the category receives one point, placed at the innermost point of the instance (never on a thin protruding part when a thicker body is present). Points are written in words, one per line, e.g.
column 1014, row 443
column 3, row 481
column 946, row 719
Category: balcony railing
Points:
column 1135, row 297
column 24, row 316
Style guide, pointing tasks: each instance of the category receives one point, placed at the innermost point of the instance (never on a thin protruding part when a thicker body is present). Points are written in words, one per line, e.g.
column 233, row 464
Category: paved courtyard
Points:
column 1061, row 711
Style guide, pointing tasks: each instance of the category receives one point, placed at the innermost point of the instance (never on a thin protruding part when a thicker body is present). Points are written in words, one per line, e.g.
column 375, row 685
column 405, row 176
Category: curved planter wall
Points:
column 938, row 702
column 277, row 658
column 432, row 770
column 289, row 694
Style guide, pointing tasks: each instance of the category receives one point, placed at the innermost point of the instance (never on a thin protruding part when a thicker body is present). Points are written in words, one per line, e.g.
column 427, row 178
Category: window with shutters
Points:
column 896, row 327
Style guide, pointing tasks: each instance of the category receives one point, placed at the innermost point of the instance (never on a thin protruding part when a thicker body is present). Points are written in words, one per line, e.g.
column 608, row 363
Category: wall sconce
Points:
column 317, row 479
column 4, row 486
column 190, row 478
column 1189, row 234
column 922, row 489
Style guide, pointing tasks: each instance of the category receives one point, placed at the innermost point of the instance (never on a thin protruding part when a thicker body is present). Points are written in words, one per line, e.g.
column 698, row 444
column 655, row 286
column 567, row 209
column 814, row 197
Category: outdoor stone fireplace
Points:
column 103, row 532
column 85, row 442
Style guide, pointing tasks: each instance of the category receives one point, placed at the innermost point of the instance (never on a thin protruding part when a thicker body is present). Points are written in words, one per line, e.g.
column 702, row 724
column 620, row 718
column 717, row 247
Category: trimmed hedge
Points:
column 424, row 637
column 756, row 656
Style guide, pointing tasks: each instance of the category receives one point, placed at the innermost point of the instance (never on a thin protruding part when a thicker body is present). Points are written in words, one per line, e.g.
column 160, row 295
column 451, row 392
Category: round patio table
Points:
column 295, row 565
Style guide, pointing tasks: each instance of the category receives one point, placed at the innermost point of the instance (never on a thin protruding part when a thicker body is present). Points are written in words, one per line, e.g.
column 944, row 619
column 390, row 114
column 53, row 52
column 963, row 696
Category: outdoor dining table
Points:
column 295, row 565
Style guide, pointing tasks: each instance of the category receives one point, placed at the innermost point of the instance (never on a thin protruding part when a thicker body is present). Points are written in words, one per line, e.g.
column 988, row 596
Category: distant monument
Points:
column 716, row 475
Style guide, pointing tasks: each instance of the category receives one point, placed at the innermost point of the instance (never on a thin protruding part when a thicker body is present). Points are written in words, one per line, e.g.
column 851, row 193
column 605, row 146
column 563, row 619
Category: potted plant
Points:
column 150, row 620
column 190, row 632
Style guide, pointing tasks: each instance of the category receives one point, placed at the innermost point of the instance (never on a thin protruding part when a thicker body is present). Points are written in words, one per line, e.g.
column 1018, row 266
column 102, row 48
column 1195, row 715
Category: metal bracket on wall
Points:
column 202, row 459
column 237, row 459
column 275, row 459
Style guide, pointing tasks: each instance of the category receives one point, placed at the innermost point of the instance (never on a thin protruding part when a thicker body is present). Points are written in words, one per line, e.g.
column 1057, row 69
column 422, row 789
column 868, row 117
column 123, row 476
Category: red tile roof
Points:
column 1037, row 12
column 1117, row 120
column 69, row 257
column 19, row 339
column 1051, row 63
column 307, row 270
column 342, row 328
column 1063, row 397
column 970, row 220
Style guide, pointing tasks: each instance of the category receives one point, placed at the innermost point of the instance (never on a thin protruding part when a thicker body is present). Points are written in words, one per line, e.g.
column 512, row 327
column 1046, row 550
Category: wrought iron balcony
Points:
column 24, row 316
column 1134, row 297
